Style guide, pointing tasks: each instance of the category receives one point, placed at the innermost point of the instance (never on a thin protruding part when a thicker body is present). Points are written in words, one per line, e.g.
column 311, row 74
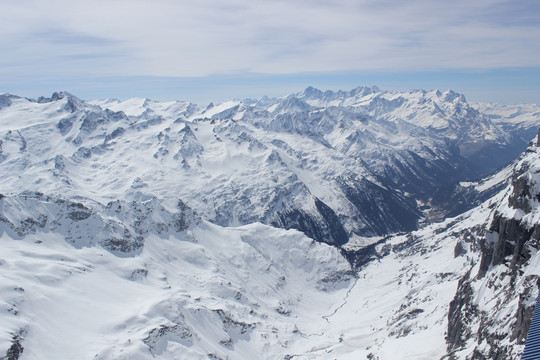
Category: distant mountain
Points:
column 521, row 120
column 334, row 165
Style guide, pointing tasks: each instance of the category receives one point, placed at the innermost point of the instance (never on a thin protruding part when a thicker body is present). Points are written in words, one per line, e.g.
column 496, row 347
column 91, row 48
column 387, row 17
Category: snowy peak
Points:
column 447, row 96
column 306, row 158
column 57, row 95
column 72, row 103
column 443, row 113
column 333, row 98
column 292, row 104
column 6, row 100
column 139, row 107
column 310, row 93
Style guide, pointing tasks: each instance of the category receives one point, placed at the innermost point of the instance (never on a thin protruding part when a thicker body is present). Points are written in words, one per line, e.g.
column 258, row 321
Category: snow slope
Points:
column 203, row 291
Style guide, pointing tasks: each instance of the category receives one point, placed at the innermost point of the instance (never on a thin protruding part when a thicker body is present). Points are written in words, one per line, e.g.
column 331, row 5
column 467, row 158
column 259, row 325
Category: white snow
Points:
column 244, row 291
column 86, row 303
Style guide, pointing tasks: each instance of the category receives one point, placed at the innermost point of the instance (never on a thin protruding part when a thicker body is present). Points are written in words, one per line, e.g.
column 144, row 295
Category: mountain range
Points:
column 339, row 224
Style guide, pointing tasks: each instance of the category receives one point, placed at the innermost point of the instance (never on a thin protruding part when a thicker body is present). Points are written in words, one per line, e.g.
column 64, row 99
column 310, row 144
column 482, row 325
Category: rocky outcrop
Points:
column 120, row 227
column 158, row 338
column 16, row 349
column 492, row 310
column 323, row 226
column 461, row 313
column 505, row 244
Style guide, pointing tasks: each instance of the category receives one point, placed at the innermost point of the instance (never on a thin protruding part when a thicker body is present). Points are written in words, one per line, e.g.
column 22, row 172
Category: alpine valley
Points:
column 361, row 224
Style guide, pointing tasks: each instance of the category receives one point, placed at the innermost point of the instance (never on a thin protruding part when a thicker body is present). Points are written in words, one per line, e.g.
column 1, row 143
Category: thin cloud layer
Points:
column 199, row 38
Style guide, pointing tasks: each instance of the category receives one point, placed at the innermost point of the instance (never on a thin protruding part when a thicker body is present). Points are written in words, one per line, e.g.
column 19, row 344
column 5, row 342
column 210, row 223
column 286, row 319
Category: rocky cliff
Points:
column 494, row 302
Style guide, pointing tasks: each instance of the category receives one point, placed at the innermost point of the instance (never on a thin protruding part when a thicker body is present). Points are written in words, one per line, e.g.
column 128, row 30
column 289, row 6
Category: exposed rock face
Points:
column 521, row 195
column 323, row 226
column 493, row 307
column 158, row 338
column 460, row 315
column 505, row 244
column 16, row 349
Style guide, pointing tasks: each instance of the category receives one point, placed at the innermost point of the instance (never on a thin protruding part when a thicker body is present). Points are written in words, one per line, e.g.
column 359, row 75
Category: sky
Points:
column 214, row 50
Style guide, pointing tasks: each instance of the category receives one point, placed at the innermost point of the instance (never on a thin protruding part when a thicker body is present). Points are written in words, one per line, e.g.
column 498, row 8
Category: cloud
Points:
column 199, row 38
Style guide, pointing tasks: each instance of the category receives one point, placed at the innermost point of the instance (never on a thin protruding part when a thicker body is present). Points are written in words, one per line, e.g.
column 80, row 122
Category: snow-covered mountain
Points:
column 153, row 280
column 147, row 280
column 492, row 309
column 461, row 289
column 520, row 120
column 131, row 230
column 333, row 165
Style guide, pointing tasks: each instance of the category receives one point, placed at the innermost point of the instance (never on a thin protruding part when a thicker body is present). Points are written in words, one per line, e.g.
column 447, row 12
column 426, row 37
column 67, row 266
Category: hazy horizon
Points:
column 210, row 51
